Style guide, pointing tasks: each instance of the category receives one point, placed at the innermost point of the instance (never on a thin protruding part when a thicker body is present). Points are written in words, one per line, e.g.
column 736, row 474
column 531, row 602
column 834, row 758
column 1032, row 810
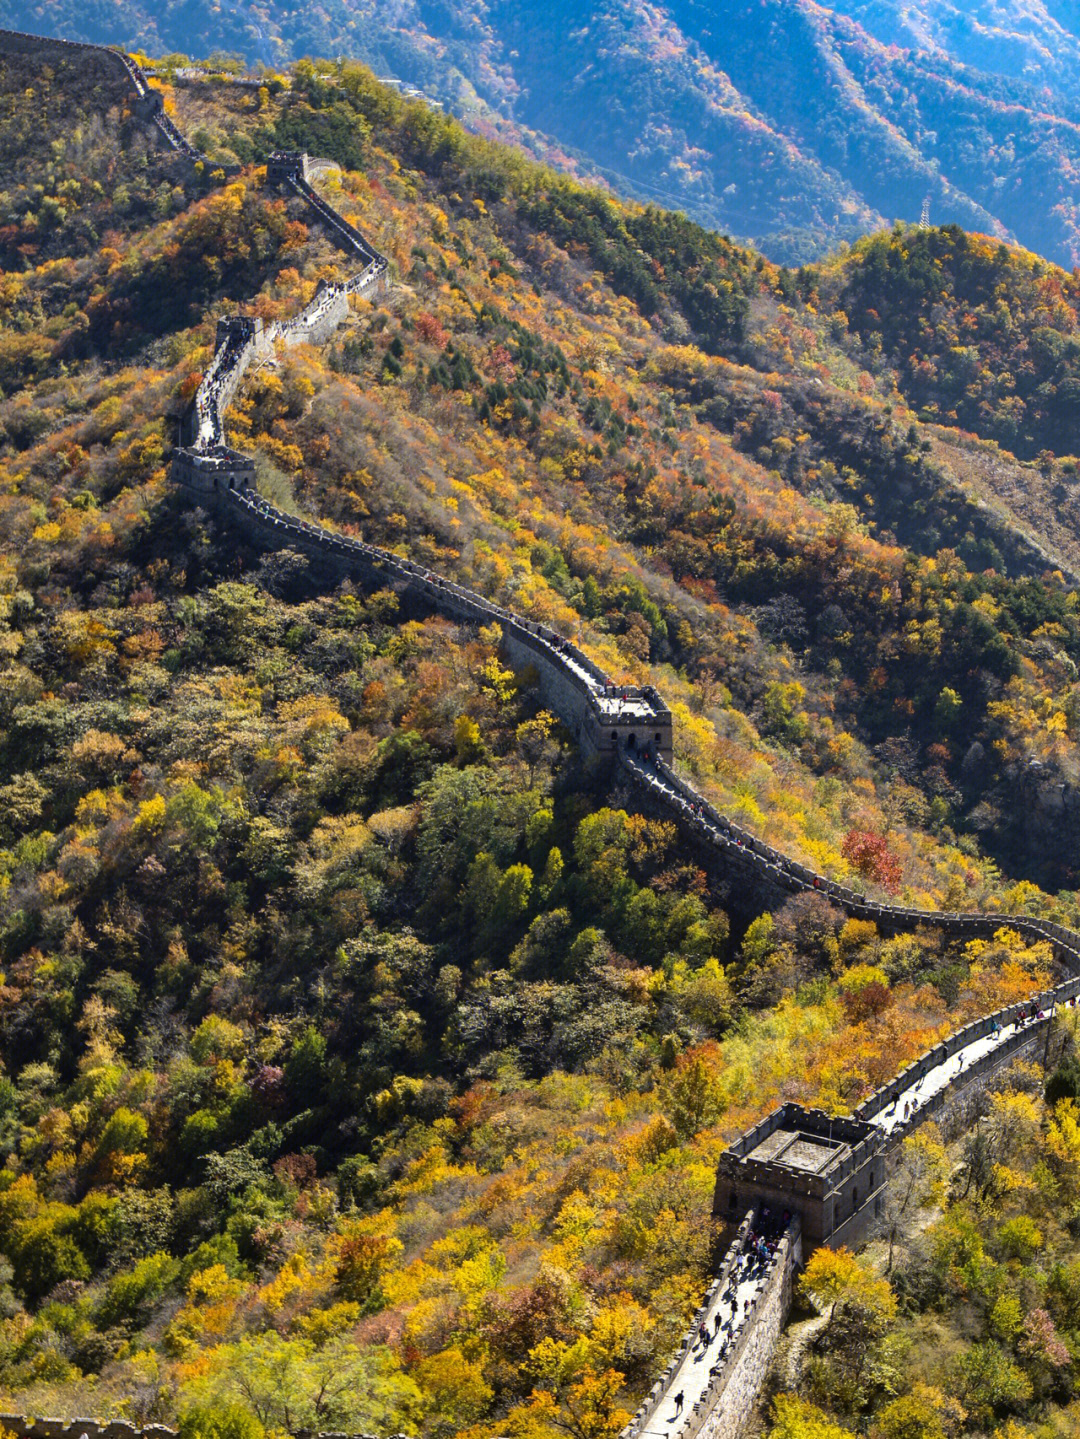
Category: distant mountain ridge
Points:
column 788, row 123
column 1031, row 41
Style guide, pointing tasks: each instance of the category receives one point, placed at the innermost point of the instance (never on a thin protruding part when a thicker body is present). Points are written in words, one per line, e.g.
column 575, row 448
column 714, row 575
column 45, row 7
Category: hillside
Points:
column 979, row 336
column 790, row 124
column 366, row 1062
column 1037, row 42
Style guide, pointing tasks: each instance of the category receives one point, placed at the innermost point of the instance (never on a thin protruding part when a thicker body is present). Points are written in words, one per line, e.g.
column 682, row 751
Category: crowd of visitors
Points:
column 736, row 1299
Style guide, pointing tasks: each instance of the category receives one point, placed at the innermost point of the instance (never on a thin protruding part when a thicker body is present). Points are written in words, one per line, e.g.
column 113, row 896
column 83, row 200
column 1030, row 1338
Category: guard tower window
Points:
column 656, row 737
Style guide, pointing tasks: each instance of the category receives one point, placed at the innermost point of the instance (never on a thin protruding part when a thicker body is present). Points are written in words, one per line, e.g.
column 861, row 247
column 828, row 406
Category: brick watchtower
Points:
column 830, row 1171
column 284, row 165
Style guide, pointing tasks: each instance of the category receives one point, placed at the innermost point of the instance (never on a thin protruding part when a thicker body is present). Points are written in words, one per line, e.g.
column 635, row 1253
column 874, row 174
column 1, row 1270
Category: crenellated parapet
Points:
column 746, row 855
column 828, row 1169
column 25, row 1427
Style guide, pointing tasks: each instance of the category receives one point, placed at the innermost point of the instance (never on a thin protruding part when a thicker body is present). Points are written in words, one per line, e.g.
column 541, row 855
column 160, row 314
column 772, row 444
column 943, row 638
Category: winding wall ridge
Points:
column 634, row 725
column 607, row 716
column 148, row 101
column 744, row 849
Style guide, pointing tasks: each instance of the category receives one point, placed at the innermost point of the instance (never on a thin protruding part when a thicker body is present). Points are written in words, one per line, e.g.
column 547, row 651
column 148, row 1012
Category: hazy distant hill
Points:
column 1026, row 39
column 781, row 121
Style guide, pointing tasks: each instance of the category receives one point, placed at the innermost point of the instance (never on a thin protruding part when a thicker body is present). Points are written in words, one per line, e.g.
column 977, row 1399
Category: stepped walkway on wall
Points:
column 720, row 1366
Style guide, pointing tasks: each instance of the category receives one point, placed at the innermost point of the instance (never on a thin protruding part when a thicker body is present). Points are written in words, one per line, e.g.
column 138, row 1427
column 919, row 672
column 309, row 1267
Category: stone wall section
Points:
column 27, row 1427
column 963, row 1103
column 749, row 856
column 658, row 1394
column 735, row 1391
column 147, row 102
column 568, row 680
column 1019, row 1045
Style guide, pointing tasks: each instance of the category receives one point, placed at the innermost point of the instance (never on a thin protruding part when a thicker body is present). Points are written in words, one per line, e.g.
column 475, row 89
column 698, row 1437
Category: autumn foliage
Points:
column 365, row 1063
column 870, row 855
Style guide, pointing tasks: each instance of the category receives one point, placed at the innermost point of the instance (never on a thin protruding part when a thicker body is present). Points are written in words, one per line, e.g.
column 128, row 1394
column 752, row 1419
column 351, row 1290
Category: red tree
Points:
column 870, row 854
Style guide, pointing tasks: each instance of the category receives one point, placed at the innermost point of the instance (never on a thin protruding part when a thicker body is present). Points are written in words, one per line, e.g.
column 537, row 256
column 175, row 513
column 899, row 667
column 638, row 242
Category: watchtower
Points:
column 209, row 473
column 631, row 718
column 286, row 165
column 828, row 1170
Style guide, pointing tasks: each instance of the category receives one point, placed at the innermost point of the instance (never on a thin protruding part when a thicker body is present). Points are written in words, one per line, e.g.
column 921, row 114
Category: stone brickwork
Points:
column 965, row 1101
column 742, row 1382
column 1016, row 1046
column 570, row 683
column 734, row 1392
column 751, row 860
column 829, row 1170
column 24, row 1427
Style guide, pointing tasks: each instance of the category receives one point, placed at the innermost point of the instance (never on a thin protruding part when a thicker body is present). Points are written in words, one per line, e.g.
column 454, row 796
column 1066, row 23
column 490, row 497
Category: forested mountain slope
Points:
column 1037, row 41
column 365, row 1061
column 787, row 122
column 978, row 335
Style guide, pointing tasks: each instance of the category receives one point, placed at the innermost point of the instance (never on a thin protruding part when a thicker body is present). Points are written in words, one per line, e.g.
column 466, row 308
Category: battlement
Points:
column 19, row 42
column 285, row 165
column 207, row 473
column 631, row 718
column 26, row 1427
column 829, row 1170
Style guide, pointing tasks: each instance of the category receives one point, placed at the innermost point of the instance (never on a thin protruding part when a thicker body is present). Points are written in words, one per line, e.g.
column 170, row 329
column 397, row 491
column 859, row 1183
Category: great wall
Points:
column 797, row 1179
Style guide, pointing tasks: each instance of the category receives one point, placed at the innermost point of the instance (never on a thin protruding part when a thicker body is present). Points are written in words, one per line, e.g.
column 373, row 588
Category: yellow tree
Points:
column 835, row 1279
column 795, row 1418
